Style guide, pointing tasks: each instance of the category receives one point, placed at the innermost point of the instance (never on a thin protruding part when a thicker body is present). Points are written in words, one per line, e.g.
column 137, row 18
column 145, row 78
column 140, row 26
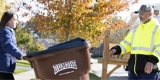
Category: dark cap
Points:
column 145, row 8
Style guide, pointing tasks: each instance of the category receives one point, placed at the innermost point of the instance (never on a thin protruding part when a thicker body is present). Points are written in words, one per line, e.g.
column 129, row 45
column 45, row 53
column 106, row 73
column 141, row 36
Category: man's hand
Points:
column 148, row 67
column 111, row 53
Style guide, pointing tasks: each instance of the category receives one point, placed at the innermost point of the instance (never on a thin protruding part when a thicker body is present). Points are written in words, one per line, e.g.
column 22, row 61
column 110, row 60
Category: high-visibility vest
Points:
column 145, row 39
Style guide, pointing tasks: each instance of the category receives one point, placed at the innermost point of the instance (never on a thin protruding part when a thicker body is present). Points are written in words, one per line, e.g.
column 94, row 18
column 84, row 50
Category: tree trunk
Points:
column 67, row 32
column 67, row 35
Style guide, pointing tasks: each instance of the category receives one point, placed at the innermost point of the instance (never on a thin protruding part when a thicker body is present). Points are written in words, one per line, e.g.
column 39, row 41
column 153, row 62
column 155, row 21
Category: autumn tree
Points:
column 7, row 6
column 68, row 19
column 2, row 7
column 31, row 27
column 26, row 42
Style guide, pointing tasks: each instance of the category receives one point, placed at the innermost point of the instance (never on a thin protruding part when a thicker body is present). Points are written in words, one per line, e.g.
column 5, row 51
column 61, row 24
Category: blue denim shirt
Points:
column 8, row 50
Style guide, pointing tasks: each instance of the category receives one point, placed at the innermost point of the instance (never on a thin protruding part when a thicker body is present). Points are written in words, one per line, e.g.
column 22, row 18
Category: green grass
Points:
column 22, row 63
column 33, row 79
column 91, row 75
column 19, row 71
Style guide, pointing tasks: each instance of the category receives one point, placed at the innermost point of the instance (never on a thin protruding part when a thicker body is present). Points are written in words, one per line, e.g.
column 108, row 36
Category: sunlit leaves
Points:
column 80, row 18
column 24, row 39
column 2, row 7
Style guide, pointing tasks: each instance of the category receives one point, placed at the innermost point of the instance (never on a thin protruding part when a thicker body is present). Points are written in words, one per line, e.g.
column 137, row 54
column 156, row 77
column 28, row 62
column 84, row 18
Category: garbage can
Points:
column 68, row 61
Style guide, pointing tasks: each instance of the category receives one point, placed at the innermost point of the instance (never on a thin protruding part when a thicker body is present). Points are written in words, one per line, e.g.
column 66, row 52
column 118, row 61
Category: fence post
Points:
column 105, row 55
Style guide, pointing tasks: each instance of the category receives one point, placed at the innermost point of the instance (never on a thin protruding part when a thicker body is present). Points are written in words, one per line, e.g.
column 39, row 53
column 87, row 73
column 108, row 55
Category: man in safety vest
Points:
column 143, row 43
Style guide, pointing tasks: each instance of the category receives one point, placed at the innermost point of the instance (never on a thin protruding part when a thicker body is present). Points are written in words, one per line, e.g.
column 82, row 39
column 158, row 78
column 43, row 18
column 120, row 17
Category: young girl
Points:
column 8, row 47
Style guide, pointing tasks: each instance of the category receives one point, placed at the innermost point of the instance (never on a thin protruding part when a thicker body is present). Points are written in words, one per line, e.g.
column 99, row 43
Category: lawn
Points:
column 22, row 63
column 19, row 71
column 93, row 77
column 33, row 79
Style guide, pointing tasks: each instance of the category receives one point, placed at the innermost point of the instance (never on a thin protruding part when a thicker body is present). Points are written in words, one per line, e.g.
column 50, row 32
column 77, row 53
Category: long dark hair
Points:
column 5, row 18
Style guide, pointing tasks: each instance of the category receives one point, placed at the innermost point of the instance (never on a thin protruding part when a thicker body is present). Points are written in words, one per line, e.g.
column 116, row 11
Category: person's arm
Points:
column 155, row 57
column 9, row 46
column 125, row 45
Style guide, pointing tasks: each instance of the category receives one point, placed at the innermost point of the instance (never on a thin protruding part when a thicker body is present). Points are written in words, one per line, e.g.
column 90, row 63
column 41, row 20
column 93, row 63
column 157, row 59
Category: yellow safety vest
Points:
column 145, row 39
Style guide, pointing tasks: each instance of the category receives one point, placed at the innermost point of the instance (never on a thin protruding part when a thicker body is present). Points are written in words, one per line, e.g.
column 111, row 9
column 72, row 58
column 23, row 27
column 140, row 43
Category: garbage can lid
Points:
column 63, row 46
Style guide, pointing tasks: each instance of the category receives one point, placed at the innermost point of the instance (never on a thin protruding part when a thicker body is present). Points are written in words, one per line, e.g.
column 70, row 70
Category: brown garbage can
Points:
column 66, row 61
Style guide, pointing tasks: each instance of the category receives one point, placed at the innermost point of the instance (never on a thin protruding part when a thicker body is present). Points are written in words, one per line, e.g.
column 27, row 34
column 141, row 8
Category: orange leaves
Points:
column 116, row 25
column 81, row 18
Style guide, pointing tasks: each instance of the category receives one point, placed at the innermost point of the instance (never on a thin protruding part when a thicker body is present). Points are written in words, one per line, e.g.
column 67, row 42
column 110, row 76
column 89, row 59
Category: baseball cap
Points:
column 145, row 8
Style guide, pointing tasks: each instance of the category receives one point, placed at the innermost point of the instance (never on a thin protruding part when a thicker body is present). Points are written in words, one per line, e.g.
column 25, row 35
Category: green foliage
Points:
column 34, row 47
column 23, row 37
column 33, row 79
column 26, row 42
column 93, row 76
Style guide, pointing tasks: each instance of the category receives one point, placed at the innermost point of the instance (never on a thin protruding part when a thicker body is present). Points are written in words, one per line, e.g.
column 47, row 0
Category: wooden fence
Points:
column 116, row 60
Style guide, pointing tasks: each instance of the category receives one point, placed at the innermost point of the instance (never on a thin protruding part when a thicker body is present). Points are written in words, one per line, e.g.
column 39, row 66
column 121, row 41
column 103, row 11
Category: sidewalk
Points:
column 96, row 68
column 25, row 76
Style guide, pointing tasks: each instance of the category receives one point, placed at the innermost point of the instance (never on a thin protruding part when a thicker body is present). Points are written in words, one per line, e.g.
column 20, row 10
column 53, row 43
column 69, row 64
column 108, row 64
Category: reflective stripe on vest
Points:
column 158, row 45
column 123, row 48
column 157, row 52
column 127, row 43
column 152, row 42
column 133, row 35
